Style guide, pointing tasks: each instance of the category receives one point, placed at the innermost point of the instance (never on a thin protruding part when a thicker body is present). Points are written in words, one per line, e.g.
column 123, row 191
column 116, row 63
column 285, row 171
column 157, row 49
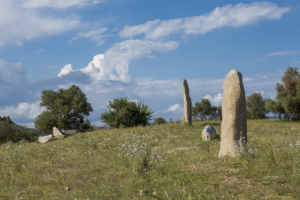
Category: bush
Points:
column 125, row 112
column 159, row 120
column 86, row 126
column 9, row 132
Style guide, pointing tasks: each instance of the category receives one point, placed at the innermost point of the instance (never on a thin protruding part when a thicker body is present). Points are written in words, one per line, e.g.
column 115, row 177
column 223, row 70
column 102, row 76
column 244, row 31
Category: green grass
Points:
column 94, row 165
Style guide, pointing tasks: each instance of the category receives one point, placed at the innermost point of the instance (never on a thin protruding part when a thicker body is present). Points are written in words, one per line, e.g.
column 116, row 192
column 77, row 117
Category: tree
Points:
column 275, row 106
column 159, row 120
column 216, row 112
column 45, row 122
column 126, row 113
column 256, row 106
column 202, row 109
column 65, row 108
column 86, row 126
column 288, row 93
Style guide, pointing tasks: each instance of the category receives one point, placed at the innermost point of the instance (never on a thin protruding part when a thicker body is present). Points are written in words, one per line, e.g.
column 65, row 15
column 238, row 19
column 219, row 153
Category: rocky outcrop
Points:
column 187, row 112
column 208, row 133
column 234, row 116
column 56, row 133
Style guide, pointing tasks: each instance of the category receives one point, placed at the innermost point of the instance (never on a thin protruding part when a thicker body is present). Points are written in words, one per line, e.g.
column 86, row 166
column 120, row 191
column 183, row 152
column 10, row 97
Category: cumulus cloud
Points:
column 215, row 100
column 58, row 4
column 23, row 109
column 174, row 108
column 113, row 64
column 281, row 53
column 95, row 36
column 65, row 70
column 19, row 24
column 227, row 16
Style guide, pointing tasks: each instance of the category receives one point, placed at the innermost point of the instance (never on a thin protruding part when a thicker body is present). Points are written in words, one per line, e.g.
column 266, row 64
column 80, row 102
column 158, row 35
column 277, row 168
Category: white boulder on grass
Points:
column 43, row 139
column 57, row 132
column 208, row 132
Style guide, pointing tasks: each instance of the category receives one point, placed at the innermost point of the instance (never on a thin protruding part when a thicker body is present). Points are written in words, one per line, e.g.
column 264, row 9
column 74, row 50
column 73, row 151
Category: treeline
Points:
column 9, row 131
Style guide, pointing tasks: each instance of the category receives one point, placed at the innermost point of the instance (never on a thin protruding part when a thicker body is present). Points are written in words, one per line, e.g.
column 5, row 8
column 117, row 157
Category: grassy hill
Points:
column 162, row 162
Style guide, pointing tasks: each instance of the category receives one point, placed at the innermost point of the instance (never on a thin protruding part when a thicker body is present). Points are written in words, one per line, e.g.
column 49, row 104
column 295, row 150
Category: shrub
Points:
column 159, row 120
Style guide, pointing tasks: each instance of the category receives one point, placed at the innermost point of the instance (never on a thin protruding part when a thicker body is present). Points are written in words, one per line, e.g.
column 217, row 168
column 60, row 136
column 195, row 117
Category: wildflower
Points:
column 154, row 193
column 20, row 147
column 156, row 140
column 7, row 148
column 251, row 140
column 291, row 145
column 123, row 145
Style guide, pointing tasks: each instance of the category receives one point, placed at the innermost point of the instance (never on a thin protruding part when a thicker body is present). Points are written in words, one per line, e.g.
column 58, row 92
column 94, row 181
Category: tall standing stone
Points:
column 234, row 116
column 187, row 113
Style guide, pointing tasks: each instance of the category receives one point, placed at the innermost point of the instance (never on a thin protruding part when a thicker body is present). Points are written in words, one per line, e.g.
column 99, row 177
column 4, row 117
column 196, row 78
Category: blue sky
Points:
column 142, row 50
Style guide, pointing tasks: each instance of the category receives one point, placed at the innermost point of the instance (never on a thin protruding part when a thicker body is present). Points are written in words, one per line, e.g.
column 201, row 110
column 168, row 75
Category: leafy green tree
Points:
column 288, row 93
column 275, row 106
column 65, row 108
column 126, row 113
column 256, row 106
column 216, row 112
column 45, row 122
column 86, row 126
column 202, row 109
column 159, row 120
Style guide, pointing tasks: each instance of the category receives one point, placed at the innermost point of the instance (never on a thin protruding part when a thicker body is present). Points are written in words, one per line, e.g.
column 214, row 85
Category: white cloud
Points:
column 113, row 64
column 227, row 16
column 93, row 35
column 281, row 53
column 19, row 24
column 174, row 108
column 297, row 62
column 23, row 109
column 65, row 70
column 216, row 100
column 57, row 4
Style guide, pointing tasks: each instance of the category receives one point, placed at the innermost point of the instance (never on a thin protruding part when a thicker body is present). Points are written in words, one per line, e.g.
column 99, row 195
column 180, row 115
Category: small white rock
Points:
column 208, row 132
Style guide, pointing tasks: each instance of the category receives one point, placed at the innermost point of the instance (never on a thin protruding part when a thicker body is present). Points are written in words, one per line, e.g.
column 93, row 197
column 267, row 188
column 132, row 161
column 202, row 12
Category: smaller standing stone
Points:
column 56, row 132
column 187, row 113
column 208, row 132
column 43, row 139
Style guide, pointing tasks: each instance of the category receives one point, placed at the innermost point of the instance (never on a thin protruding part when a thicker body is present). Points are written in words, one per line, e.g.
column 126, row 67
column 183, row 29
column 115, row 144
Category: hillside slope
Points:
column 156, row 162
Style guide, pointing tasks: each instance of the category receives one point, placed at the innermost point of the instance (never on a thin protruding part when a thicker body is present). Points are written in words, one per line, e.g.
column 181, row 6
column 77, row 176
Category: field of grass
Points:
column 156, row 162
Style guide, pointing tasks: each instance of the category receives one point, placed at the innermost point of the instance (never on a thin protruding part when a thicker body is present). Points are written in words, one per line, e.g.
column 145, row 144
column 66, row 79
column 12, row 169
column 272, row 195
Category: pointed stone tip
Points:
column 233, row 72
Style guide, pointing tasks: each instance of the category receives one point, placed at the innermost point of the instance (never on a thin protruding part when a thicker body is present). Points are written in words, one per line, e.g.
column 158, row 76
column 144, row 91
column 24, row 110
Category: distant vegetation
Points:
column 159, row 120
column 9, row 131
column 203, row 110
column 124, row 113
